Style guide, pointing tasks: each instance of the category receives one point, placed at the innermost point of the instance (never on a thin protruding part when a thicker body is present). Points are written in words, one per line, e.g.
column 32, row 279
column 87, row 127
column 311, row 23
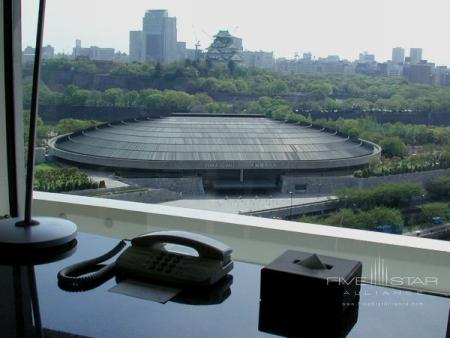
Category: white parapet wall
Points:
column 411, row 262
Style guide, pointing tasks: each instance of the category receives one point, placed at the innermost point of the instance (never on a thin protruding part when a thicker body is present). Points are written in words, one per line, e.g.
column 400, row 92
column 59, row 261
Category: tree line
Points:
column 383, row 205
column 151, row 99
column 64, row 126
column 317, row 92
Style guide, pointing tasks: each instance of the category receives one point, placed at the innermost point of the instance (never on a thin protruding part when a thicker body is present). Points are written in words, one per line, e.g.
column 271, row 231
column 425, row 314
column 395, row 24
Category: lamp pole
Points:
column 290, row 210
column 25, row 242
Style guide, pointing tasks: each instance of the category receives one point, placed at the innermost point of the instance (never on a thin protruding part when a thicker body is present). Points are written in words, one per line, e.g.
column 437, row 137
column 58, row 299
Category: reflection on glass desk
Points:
column 383, row 312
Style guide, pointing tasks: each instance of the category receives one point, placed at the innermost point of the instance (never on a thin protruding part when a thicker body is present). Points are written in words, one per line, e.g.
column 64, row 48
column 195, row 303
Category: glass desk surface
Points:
column 383, row 312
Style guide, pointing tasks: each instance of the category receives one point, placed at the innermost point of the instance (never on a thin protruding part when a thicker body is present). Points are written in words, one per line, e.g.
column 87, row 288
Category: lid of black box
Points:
column 311, row 265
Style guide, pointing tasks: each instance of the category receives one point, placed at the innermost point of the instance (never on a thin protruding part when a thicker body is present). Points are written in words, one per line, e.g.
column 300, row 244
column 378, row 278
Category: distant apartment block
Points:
column 258, row 59
column 398, row 55
column 419, row 72
column 415, row 55
column 121, row 57
column 48, row 52
column 93, row 52
column 337, row 67
column 135, row 48
column 390, row 69
column 366, row 57
column 394, row 69
column 331, row 64
column 442, row 76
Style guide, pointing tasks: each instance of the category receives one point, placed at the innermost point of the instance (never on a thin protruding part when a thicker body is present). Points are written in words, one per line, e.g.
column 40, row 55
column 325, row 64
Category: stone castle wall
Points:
column 332, row 184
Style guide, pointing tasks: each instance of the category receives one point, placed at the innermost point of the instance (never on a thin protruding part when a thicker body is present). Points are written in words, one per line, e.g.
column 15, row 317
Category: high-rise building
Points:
column 153, row 20
column 365, row 57
column 152, row 35
column 398, row 55
column 153, row 48
column 416, row 55
column 159, row 37
column 157, row 42
column 136, row 43
column 169, row 38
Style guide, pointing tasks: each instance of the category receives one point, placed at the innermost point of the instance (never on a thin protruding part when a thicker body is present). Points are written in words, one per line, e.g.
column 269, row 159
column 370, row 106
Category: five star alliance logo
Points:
column 379, row 275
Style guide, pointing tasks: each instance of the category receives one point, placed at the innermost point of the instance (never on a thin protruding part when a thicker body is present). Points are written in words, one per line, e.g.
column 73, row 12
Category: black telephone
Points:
column 148, row 259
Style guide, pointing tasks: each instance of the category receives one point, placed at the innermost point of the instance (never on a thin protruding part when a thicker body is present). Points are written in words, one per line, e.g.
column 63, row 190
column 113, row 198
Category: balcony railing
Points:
column 421, row 264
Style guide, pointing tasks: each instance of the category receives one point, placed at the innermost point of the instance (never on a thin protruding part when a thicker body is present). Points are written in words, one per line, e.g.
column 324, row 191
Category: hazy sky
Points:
column 343, row 27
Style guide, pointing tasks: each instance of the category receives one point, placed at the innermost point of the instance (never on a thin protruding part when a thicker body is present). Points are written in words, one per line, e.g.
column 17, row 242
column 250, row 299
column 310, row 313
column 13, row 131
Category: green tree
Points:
column 95, row 99
column 74, row 96
column 158, row 72
column 321, row 90
column 358, row 219
column 439, row 187
column 203, row 98
column 436, row 209
column 390, row 195
column 48, row 97
column 66, row 126
column 394, row 147
column 113, row 97
column 177, row 101
column 42, row 129
column 131, row 98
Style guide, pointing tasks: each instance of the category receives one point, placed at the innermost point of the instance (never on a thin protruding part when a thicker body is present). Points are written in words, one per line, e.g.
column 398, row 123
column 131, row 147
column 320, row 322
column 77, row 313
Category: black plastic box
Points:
column 286, row 321
column 330, row 290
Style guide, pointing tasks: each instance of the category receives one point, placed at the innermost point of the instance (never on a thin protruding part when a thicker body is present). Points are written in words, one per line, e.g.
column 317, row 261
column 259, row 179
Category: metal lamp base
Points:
column 34, row 242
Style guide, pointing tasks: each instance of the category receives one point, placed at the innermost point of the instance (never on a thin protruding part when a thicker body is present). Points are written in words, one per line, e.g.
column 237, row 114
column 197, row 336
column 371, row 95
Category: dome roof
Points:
column 212, row 142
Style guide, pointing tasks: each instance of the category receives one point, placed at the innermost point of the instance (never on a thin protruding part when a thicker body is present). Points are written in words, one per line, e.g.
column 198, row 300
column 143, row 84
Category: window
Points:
column 214, row 110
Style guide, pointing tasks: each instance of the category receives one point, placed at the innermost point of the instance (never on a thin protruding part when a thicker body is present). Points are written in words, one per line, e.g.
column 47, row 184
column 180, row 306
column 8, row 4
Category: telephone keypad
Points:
column 175, row 267
column 164, row 263
column 172, row 264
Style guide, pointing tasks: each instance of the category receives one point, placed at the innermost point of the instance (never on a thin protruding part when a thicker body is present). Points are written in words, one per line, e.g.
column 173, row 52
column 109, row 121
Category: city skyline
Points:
column 345, row 33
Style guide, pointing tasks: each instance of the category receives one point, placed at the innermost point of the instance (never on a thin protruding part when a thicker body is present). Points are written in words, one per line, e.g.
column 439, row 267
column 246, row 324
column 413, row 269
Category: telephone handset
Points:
column 149, row 259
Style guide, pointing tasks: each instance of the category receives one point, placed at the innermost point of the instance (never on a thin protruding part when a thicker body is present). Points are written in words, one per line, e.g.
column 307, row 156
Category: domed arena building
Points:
column 228, row 152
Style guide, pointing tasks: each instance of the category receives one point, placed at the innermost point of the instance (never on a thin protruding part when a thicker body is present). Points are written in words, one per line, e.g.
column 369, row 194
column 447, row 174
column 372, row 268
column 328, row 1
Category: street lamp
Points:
column 290, row 210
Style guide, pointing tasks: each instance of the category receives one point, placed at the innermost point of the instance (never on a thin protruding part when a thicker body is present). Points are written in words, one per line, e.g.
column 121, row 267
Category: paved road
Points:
column 244, row 204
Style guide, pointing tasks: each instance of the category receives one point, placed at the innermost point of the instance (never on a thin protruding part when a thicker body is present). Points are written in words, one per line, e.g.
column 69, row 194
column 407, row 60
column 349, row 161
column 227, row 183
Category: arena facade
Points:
column 227, row 151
